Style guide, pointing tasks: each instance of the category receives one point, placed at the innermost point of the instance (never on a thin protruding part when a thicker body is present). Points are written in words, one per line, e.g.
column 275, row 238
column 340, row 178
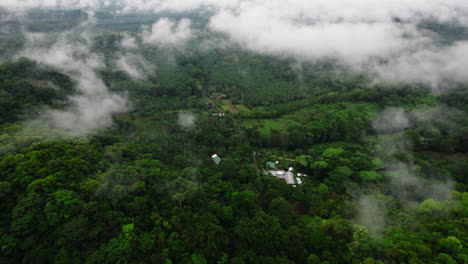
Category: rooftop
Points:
column 288, row 176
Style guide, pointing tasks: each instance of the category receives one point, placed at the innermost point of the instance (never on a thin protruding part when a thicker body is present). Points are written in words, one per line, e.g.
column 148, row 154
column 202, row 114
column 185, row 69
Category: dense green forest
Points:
column 146, row 189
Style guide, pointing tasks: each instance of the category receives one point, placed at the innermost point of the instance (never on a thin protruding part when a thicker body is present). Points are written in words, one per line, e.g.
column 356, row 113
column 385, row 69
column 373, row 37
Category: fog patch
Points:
column 411, row 189
column 186, row 119
column 134, row 65
column 128, row 42
column 167, row 32
column 437, row 67
column 372, row 212
column 406, row 182
column 391, row 120
column 261, row 30
column 437, row 118
column 92, row 108
column 382, row 38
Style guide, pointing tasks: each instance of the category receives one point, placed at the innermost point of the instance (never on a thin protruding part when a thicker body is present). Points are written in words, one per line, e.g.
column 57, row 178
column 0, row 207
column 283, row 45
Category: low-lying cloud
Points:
column 383, row 38
column 134, row 65
column 437, row 67
column 262, row 30
column 128, row 42
column 92, row 108
column 166, row 32
column 392, row 119
column 372, row 211
column 407, row 185
column 186, row 119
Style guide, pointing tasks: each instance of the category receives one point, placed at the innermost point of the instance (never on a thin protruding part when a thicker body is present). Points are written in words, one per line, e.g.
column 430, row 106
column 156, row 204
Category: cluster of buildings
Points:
column 288, row 175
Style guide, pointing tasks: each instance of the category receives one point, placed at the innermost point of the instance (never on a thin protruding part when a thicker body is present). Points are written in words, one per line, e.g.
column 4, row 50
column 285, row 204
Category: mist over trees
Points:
column 112, row 112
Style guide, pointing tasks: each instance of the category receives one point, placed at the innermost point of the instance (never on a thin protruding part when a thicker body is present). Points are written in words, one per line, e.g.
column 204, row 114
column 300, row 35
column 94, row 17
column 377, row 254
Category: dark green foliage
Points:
column 24, row 85
column 147, row 191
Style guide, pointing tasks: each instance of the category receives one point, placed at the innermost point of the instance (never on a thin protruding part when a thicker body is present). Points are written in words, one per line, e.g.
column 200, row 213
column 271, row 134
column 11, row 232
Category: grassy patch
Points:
column 266, row 126
column 144, row 124
column 243, row 109
column 227, row 106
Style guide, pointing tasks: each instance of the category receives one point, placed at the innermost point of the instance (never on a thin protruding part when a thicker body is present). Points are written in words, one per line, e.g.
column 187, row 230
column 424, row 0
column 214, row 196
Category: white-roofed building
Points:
column 216, row 159
column 288, row 176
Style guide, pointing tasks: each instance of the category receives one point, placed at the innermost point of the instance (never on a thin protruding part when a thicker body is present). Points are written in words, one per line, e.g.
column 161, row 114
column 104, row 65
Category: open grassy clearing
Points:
column 243, row 109
column 266, row 126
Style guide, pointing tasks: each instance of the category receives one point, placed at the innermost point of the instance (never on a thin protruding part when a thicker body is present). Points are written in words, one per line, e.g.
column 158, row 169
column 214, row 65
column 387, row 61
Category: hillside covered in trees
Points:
column 110, row 121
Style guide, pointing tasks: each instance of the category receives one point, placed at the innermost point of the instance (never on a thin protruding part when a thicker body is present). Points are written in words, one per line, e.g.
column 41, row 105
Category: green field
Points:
column 267, row 126
column 243, row 109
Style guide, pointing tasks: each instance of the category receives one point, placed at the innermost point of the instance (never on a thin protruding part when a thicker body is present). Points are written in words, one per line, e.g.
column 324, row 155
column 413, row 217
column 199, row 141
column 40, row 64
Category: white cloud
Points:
column 435, row 66
column 93, row 107
column 391, row 120
column 134, row 65
column 372, row 212
column 128, row 42
column 411, row 189
column 175, row 5
column 396, row 120
column 406, row 182
column 186, row 119
column 264, row 32
column 362, row 33
column 166, row 32
column 23, row 4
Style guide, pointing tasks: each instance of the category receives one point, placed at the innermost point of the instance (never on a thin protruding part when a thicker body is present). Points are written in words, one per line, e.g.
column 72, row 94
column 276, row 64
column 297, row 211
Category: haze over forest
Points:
column 233, row 131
